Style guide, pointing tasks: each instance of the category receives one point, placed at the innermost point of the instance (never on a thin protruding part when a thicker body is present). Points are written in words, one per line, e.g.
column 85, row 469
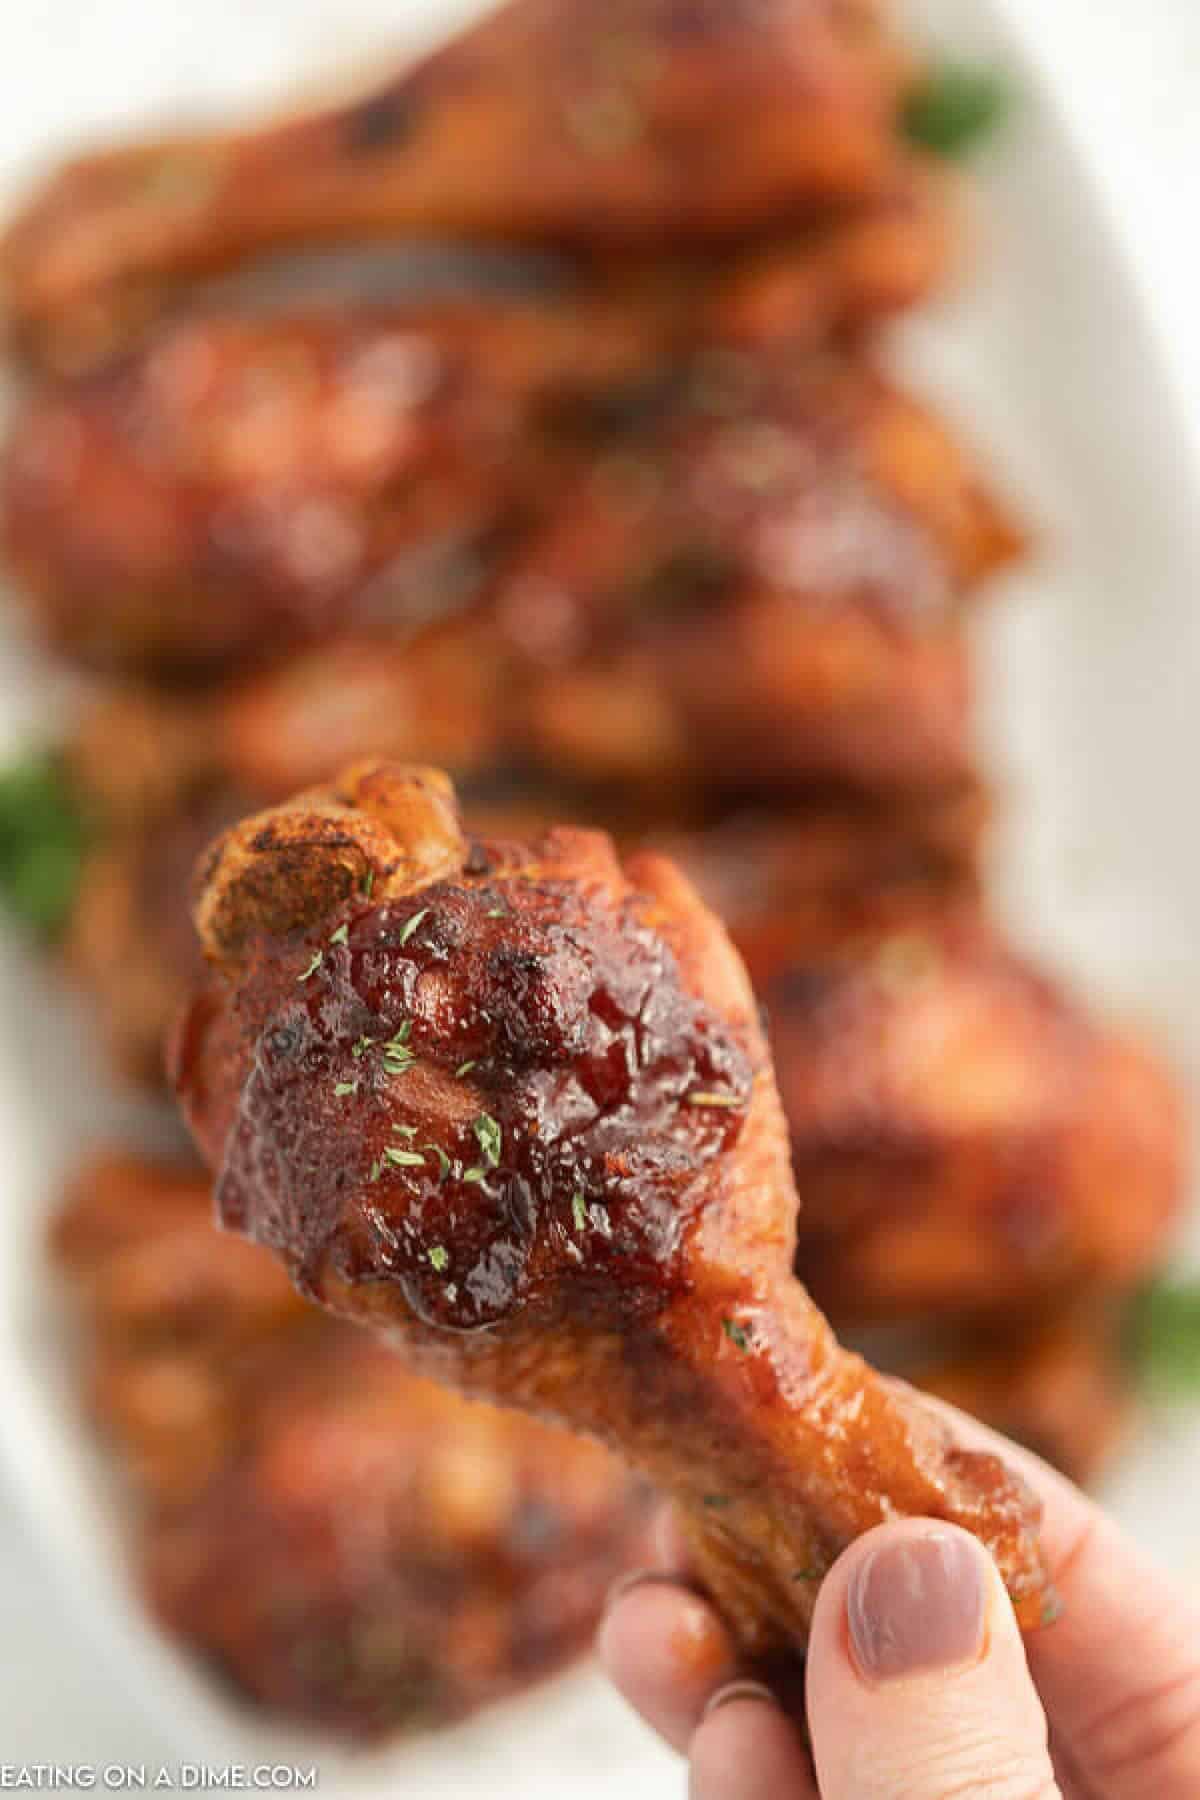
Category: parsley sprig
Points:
column 43, row 838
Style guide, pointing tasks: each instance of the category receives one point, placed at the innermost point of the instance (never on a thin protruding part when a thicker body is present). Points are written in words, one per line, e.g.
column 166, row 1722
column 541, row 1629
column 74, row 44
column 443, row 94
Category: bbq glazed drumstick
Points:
column 241, row 482
column 512, row 1106
column 762, row 587
column 604, row 124
column 966, row 1139
column 350, row 1544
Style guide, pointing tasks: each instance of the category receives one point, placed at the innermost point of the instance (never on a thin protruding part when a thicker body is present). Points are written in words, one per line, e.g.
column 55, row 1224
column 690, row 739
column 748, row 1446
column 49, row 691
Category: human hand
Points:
column 918, row 1684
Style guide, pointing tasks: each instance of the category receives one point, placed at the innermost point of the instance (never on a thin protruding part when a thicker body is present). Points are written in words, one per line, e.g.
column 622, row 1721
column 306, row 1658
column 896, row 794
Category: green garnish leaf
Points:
column 314, row 965
column 341, row 935
column 376, row 1170
column 1163, row 1337
column 397, row 1057
column 701, row 1099
column 368, row 884
column 363, row 1045
column 737, row 1334
column 43, row 839
column 342, row 1088
column 403, row 1159
column 490, row 1140
column 464, row 1069
column 439, row 1256
column 579, row 1212
column 410, row 925
column 405, row 1131
column 496, row 912
column 955, row 107
column 442, row 1159
column 475, row 1176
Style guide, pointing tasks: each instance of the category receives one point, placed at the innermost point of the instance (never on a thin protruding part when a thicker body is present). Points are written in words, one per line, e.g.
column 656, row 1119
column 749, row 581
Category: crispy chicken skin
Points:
column 966, row 1138
column 601, row 124
column 350, row 1544
column 512, row 1107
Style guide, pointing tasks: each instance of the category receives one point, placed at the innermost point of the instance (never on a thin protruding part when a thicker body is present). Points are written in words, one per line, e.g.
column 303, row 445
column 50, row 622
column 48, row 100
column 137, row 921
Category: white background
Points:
column 1129, row 80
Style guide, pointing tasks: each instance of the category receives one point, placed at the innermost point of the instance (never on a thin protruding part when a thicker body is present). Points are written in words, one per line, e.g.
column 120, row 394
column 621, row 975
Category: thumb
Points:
column 918, row 1687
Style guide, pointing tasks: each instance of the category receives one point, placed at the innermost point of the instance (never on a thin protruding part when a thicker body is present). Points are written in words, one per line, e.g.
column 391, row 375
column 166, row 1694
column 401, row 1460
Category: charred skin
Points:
column 349, row 1544
column 600, row 126
column 512, row 1107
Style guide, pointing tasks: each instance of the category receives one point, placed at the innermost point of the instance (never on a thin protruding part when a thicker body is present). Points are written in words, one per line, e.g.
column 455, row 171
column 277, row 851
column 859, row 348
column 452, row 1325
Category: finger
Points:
column 747, row 1749
column 667, row 1652
column 1119, row 1671
column 917, row 1680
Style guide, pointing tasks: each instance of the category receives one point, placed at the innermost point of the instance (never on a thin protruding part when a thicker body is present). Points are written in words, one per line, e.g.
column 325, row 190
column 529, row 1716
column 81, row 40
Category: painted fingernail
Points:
column 738, row 1690
column 917, row 1603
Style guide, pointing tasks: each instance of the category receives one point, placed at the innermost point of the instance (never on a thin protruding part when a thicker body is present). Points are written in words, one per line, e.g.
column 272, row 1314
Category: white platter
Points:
column 1090, row 664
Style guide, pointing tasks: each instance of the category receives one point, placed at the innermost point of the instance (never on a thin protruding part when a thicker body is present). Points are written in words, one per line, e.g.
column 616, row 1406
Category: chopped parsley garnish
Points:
column 363, row 1045
column 476, row 1177
column 368, row 884
column 737, row 1334
column 442, row 1159
column 439, row 1256
column 317, row 959
column 397, row 1057
column 496, row 912
column 342, row 1088
column 410, row 925
column 464, row 1068
column 376, row 1169
column 702, row 1099
column 403, row 1159
column 954, row 108
column 43, row 838
column 488, row 1134
column 341, row 935
column 579, row 1212
column 405, row 1131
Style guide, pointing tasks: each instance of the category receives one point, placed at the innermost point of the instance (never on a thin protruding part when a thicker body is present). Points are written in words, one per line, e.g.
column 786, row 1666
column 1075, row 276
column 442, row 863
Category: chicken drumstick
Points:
column 512, row 1106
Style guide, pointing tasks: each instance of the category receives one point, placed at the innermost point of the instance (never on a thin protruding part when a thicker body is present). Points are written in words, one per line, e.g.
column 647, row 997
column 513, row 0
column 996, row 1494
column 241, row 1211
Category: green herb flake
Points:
column 1162, row 1336
column 410, row 925
column 362, row 1046
column 342, row 1088
column 702, row 1099
column 475, row 1177
column 43, row 838
column 405, row 1131
column 955, row 108
column 464, row 1069
column 376, row 1170
column 368, row 884
column 489, row 1138
column 439, row 1256
column 496, row 912
column 737, row 1334
column 341, row 935
column 443, row 1160
column 403, row 1159
column 579, row 1212
column 317, row 959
